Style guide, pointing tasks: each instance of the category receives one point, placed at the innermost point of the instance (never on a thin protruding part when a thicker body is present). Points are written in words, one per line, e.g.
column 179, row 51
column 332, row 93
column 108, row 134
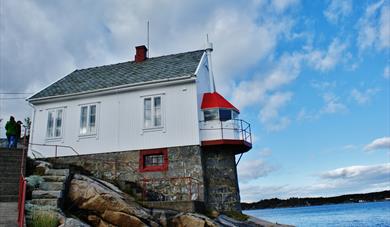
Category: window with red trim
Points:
column 153, row 160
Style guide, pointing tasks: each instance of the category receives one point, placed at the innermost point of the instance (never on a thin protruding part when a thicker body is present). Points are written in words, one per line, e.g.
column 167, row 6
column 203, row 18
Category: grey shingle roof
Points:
column 126, row 73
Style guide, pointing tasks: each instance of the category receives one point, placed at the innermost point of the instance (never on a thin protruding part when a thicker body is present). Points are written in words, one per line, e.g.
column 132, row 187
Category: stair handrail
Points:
column 56, row 147
column 22, row 185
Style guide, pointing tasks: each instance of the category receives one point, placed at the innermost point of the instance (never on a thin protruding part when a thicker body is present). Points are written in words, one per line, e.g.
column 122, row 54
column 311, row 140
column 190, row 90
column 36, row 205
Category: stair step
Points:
column 57, row 172
column 9, row 188
column 45, row 202
column 51, row 186
column 54, row 178
column 42, row 194
column 10, row 158
column 7, row 174
column 10, row 154
column 8, row 198
column 10, row 164
column 13, row 179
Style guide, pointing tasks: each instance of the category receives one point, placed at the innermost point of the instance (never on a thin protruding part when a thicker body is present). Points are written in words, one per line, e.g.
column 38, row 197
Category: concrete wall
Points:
column 120, row 122
column 182, row 181
column 222, row 191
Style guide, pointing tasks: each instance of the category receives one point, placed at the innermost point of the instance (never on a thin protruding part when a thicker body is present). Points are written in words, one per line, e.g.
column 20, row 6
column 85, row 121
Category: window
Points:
column 235, row 114
column 54, row 123
column 153, row 160
column 211, row 114
column 220, row 114
column 88, row 120
column 152, row 112
column 225, row 115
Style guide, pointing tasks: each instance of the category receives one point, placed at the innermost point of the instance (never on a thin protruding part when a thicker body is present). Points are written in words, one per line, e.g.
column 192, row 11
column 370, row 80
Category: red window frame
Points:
column 161, row 151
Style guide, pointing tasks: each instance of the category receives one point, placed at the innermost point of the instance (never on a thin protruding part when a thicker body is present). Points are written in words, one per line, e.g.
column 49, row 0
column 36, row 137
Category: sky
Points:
column 312, row 77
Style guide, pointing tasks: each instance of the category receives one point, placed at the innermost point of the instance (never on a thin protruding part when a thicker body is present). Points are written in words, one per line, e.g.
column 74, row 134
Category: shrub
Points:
column 42, row 218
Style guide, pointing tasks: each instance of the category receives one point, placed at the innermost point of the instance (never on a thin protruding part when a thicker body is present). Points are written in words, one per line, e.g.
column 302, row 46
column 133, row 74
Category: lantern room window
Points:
column 220, row 114
column 211, row 114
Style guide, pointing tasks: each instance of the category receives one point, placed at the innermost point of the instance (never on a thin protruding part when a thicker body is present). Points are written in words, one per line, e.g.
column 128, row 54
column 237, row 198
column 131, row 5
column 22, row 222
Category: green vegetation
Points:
column 42, row 218
column 236, row 215
column 34, row 181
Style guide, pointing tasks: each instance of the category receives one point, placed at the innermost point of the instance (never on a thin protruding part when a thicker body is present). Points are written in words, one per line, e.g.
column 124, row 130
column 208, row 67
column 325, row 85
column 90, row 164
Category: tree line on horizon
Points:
column 315, row 201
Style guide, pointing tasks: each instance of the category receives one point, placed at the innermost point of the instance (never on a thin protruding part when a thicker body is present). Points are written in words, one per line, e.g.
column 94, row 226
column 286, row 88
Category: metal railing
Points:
column 55, row 148
column 231, row 129
column 188, row 188
column 22, row 185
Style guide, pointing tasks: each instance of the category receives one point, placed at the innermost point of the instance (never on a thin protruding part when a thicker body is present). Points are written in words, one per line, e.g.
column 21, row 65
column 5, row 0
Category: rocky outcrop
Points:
column 99, row 203
column 189, row 219
column 107, row 204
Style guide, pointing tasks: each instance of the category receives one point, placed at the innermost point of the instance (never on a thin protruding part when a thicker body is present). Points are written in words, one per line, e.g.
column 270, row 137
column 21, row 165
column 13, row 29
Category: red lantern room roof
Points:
column 215, row 100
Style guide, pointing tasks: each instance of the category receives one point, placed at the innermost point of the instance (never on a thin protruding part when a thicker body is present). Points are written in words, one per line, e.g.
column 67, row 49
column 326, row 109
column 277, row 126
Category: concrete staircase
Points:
column 50, row 192
column 10, row 161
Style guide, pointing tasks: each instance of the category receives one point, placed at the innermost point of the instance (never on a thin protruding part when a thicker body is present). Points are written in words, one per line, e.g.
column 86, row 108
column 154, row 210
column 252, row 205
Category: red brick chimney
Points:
column 140, row 53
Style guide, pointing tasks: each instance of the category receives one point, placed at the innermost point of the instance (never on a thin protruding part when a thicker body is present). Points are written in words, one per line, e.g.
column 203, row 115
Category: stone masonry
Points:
column 221, row 184
column 194, row 173
column 182, row 181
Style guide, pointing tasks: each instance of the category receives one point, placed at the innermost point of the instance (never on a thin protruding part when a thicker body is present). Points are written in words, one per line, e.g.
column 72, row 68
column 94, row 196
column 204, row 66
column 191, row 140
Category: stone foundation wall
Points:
column 182, row 181
column 222, row 191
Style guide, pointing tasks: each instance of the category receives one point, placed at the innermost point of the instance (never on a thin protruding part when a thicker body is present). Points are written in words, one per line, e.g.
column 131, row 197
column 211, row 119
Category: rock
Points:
column 122, row 219
column 162, row 215
column 230, row 222
column 71, row 222
column 191, row 219
column 263, row 223
column 108, row 203
column 98, row 222
column 41, row 168
column 214, row 214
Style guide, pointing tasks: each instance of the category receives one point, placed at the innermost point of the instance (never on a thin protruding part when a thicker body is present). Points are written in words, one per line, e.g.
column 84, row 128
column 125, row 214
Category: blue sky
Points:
column 312, row 77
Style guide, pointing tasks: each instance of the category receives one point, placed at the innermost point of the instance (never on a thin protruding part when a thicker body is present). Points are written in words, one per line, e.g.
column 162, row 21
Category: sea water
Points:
column 346, row 215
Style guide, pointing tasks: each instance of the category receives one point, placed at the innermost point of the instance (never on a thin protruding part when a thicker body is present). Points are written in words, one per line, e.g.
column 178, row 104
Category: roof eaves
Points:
column 116, row 88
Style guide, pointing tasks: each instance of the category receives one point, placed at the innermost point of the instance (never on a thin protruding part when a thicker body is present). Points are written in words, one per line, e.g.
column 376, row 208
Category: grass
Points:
column 236, row 215
column 42, row 218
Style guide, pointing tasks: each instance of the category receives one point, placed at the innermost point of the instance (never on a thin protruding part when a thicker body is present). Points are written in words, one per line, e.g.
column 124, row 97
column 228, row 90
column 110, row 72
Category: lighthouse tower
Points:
column 223, row 136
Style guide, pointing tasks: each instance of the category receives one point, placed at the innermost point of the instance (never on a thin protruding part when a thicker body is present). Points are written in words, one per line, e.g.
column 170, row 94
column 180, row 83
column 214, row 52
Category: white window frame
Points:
column 88, row 131
column 153, row 126
column 54, row 112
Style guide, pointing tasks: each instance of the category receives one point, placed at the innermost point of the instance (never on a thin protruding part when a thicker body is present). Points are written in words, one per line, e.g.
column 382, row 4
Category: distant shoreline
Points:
column 317, row 201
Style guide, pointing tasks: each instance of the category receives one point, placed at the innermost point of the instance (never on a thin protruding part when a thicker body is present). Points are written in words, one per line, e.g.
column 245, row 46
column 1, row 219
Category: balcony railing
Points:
column 235, row 129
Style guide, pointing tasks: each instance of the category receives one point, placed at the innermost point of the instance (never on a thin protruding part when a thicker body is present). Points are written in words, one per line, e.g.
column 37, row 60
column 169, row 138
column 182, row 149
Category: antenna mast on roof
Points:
column 147, row 32
column 209, row 49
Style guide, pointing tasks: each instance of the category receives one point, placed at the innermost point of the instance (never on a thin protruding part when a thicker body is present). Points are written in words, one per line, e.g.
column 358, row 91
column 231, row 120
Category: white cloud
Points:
column 345, row 180
column 265, row 152
column 386, row 72
column 378, row 144
column 262, row 91
column 269, row 113
column 338, row 9
column 363, row 97
column 62, row 37
column 326, row 60
column 281, row 5
column 374, row 27
column 384, row 27
column 246, row 170
column 332, row 104
column 371, row 173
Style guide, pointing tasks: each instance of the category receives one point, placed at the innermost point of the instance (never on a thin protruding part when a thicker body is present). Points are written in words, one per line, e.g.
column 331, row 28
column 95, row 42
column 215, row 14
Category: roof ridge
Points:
column 125, row 62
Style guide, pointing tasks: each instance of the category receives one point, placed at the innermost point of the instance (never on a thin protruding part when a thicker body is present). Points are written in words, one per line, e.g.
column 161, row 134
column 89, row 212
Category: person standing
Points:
column 11, row 130
column 18, row 132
